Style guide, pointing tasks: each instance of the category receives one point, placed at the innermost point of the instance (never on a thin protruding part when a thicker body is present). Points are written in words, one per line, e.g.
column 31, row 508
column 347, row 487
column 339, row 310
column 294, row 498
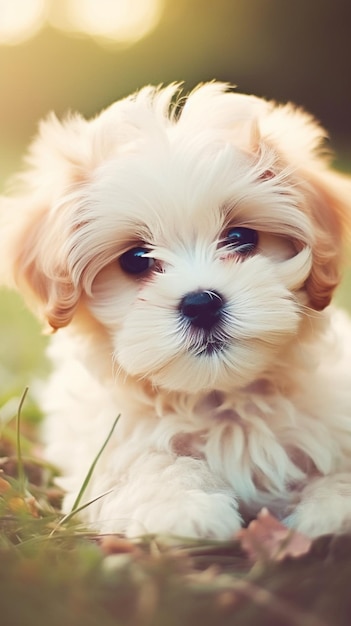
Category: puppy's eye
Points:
column 134, row 261
column 242, row 240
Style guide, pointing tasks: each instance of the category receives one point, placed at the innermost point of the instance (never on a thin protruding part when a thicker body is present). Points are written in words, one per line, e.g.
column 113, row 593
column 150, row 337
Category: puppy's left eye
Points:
column 240, row 239
column 134, row 261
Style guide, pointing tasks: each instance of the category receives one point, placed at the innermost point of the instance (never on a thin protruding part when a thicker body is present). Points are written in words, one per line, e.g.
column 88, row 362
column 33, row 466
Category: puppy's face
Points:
column 192, row 241
column 196, row 291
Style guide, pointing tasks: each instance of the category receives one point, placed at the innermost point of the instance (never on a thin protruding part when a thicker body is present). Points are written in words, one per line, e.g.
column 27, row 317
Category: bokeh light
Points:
column 123, row 21
column 108, row 21
column 20, row 19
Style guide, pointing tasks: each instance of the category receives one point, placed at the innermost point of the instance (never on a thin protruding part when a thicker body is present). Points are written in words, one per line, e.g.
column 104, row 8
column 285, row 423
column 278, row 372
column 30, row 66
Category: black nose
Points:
column 202, row 308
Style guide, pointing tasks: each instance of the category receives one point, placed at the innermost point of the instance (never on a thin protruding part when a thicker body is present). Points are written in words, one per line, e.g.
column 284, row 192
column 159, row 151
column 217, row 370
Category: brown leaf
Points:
column 266, row 538
column 114, row 544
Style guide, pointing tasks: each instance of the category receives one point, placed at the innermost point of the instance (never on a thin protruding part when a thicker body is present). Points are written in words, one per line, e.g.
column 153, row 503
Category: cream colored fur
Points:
column 206, row 437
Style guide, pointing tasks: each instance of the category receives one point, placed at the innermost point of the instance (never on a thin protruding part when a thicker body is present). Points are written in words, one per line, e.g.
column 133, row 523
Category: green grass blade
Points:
column 77, row 510
column 92, row 468
column 20, row 464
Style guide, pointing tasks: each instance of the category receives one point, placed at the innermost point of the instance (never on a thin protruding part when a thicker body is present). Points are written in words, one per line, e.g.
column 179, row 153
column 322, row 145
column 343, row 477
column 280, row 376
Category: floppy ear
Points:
column 33, row 227
column 330, row 213
column 32, row 263
column 37, row 225
column 298, row 139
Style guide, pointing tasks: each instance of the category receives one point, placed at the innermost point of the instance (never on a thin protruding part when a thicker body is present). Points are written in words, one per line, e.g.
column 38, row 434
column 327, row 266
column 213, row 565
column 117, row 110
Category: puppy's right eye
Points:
column 134, row 261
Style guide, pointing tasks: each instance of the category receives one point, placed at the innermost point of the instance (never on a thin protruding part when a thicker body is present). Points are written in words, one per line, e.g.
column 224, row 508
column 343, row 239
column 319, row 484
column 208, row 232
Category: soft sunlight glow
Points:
column 120, row 21
column 20, row 19
column 108, row 21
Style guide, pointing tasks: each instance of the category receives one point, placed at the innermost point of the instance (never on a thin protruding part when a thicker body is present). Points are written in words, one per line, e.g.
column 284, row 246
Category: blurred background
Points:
column 83, row 54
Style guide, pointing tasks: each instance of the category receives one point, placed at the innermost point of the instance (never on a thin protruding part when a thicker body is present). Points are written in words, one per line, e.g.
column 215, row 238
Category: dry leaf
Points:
column 114, row 544
column 268, row 539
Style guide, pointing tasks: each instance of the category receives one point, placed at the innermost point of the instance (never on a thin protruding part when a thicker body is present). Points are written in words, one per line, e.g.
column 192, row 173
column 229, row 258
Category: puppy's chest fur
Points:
column 257, row 440
column 262, row 442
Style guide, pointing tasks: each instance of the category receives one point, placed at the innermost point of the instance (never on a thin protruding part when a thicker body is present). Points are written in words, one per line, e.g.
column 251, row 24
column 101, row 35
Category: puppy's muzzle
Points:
column 203, row 309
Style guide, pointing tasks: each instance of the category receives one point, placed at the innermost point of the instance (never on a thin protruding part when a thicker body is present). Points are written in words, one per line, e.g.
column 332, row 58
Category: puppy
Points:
column 185, row 252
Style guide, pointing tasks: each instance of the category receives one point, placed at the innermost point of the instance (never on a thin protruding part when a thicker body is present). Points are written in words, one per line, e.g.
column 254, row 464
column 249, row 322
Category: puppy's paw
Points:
column 198, row 515
column 324, row 508
column 193, row 514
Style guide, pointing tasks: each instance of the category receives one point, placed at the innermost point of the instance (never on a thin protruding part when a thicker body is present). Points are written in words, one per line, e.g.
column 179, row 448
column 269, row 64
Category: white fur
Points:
column 204, row 440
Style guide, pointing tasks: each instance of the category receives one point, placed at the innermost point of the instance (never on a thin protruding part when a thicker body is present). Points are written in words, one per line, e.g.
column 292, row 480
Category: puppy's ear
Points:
column 329, row 206
column 32, row 262
column 37, row 225
column 299, row 141
column 33, row 225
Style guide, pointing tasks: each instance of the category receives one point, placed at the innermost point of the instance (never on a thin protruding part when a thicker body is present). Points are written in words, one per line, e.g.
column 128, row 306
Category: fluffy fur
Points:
column 215, row 423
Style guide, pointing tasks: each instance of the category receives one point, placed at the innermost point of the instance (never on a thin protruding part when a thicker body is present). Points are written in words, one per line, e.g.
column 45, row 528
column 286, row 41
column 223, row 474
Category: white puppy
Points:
column 186, row 251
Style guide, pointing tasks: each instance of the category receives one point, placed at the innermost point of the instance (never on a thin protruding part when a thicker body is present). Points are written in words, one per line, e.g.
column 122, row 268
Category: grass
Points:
column 76, row 578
